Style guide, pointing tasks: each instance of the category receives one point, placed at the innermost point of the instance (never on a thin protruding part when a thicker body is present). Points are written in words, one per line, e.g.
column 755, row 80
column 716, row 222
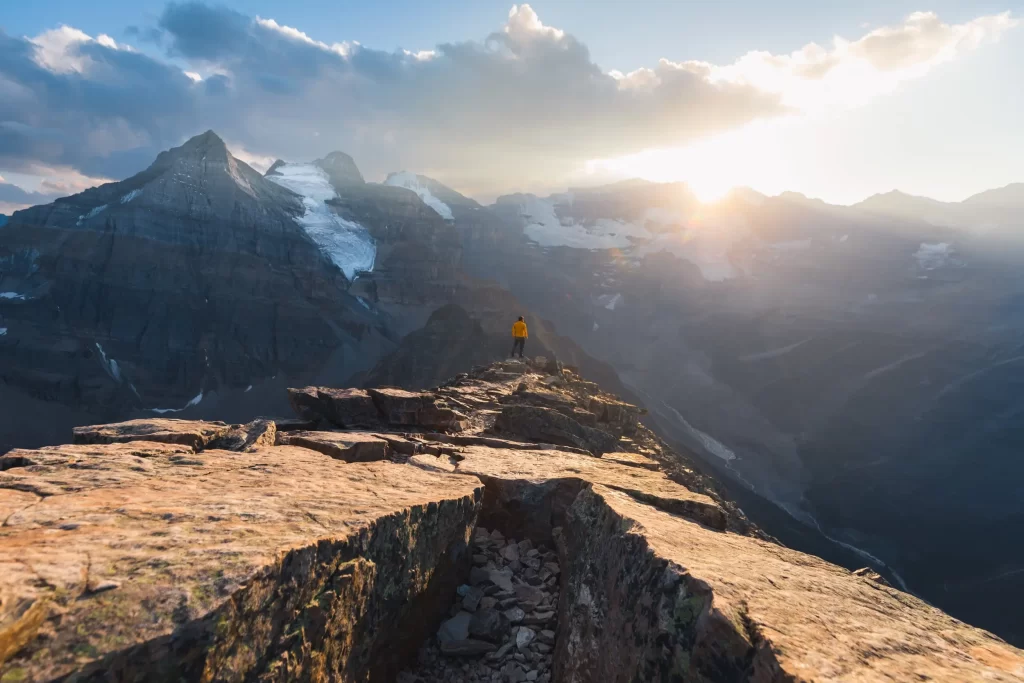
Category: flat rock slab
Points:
column 510, row 466
column 108, row 550
column 632, row 460
column 347, row 446
column 743, row 609
column 194, row 433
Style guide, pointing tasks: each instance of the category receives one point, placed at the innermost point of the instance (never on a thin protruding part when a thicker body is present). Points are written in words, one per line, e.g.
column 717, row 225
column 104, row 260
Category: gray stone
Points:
column 471, row 600
column 468, row 647
column 456, row 628
column 524, row 638
column 489, row 624
column 502, row 579
column 515, row 615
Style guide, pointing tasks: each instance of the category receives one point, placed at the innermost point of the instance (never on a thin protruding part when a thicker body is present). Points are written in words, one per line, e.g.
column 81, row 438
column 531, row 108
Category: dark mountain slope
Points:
column 190, row 277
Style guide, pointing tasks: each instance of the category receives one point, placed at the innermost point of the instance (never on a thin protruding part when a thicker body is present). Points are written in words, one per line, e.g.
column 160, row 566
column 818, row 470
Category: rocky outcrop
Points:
column 350, row 408
column 547, row 425
column 157, row 561
column 193, row 433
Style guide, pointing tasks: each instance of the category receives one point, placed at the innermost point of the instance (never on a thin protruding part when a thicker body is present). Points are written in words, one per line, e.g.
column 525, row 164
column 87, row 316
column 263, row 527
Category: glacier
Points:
column 346, row 243
column 411, row 181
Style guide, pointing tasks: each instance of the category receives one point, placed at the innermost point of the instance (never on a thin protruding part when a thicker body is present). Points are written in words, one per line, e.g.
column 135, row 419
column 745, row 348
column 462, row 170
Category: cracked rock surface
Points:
column 439, row 543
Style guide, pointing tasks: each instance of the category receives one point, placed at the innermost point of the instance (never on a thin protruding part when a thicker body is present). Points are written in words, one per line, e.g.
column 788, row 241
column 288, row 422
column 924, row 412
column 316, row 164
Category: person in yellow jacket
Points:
column 519, row 336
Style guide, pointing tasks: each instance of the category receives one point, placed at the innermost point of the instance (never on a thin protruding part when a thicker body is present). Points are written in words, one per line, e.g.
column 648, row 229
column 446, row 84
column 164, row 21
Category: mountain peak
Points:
column 341, row 169
column 207, row 143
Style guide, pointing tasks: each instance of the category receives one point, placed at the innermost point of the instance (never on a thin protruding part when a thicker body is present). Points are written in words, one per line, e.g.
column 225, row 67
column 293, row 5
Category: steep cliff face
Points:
column 191, row 277
column 179, row 550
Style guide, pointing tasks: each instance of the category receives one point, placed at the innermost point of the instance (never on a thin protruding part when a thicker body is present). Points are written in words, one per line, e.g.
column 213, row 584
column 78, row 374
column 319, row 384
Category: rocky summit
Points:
column 515, row 524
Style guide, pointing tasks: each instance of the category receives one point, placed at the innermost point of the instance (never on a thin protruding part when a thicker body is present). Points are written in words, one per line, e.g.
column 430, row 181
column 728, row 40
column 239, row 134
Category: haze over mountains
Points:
column 851, row 373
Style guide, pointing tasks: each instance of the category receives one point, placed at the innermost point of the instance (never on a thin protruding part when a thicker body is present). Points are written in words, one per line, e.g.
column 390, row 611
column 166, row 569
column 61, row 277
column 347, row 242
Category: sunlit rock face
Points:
column 259, row 551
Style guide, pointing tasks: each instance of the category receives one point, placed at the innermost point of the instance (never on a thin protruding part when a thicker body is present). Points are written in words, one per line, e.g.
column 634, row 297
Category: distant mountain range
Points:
column 855, row 374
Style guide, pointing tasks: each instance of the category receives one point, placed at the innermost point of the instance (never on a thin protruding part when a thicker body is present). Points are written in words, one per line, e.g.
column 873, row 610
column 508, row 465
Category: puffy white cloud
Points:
column 852, row 72
column 523, row 107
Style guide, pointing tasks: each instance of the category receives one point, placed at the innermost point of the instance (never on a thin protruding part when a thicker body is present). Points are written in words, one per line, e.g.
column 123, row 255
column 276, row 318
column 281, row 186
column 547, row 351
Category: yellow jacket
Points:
column 519, row 330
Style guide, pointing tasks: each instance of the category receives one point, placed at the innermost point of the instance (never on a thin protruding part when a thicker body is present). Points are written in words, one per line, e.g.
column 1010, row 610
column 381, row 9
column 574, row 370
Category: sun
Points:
column 711, row 167
column 709, row 189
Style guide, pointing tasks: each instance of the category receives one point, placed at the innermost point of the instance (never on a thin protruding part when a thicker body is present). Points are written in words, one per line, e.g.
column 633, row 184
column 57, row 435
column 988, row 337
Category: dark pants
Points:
column 519, row 343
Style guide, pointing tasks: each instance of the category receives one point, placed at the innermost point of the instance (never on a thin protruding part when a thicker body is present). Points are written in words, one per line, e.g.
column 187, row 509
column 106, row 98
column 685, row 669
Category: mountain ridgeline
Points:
column 851, row 375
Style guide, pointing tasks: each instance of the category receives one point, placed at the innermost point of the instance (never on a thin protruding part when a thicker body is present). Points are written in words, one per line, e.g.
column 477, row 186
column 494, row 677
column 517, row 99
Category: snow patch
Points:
column 934, row 255
column 12, row 295
column 194, row 402
column 3, row 331
column 130, row 196
column 346, row 243
column 411, row 181
column 95, row 211
column 111, row 366
column 248, row 389
column 364, row 303
column 610, row 301
column 596, row 326
column 544, row 227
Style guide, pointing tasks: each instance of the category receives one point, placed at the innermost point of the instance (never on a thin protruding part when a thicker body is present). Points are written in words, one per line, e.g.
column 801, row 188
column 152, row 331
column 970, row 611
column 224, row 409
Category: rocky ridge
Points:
column 183, row 550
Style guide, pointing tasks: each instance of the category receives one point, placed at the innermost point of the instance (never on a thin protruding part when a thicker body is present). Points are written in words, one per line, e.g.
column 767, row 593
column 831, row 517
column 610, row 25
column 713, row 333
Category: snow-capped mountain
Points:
column 172, row 290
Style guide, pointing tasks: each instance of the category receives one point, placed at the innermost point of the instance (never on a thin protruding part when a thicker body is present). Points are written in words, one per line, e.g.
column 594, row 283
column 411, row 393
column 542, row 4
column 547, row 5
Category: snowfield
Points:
column 346, row 243
column 933, row 255
column 411, row 181
column 543, row 226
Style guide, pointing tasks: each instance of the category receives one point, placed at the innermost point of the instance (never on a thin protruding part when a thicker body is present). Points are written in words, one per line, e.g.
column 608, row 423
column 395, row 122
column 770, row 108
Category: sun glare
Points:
column 710, row 167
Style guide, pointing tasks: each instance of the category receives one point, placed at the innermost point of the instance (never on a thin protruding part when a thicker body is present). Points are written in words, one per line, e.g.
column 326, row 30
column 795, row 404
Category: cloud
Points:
column 852, row 72
column 14, row 198
column 522, row 107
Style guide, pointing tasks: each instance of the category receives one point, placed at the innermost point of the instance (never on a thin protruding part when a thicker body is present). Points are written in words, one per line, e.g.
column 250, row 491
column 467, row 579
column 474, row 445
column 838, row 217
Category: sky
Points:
column 836, row 102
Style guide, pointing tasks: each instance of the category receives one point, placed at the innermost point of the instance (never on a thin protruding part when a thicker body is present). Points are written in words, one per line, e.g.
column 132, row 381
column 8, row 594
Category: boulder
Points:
column 345, row 408
column 347, row 446
column 349, row 408
column 489, row 624
column 620, row 417
column 415, row 409
column 248, row 437
column 194, row 433
column 455, row 629
column 550, row 426
column 306, row 404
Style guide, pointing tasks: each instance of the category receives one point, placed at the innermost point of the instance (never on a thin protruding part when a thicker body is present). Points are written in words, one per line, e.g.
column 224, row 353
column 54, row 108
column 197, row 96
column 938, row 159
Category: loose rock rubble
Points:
column 503, row 620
